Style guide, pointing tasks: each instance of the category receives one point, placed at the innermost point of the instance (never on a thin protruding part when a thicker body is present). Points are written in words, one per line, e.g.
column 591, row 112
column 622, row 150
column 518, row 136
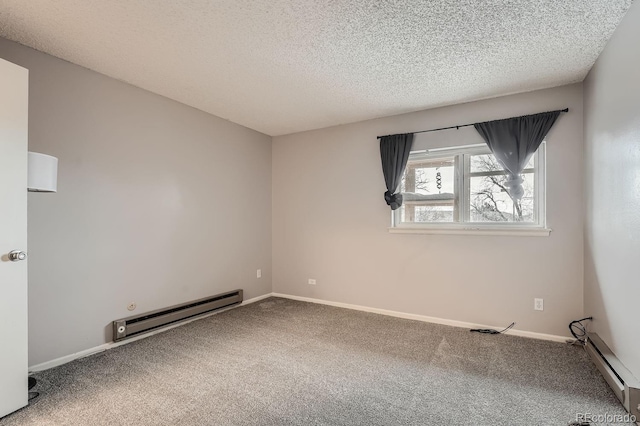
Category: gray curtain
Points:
column 394, row 153
column 513, row 141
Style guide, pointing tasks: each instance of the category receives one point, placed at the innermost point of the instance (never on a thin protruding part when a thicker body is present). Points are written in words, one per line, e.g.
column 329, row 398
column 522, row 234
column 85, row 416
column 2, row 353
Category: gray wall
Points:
column 157, row 203
column 160, row 203
column 612, row 231
column 330, row 223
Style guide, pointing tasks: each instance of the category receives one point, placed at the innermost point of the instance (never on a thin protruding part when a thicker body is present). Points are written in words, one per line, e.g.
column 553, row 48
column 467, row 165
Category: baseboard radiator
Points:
column 136, row 325
column 620, row 379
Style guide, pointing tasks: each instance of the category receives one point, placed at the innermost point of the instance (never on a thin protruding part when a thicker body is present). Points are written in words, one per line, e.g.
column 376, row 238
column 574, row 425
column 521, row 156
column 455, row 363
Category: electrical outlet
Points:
column 131, row 306
column 538, row 304
column 312, row 281
column 259, row 273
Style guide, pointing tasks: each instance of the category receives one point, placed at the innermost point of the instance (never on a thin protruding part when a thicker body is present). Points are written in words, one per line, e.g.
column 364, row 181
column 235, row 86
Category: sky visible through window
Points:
column 429, row 184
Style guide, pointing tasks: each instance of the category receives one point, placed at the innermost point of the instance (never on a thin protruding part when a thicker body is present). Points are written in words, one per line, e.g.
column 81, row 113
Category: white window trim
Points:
column 499, row 231
column 539, row 229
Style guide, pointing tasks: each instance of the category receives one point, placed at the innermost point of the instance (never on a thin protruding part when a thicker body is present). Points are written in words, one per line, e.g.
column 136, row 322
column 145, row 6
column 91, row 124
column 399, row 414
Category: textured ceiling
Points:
column 283, row 66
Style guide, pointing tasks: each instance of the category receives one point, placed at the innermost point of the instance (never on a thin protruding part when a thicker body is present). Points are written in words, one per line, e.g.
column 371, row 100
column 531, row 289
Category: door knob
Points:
column 16, row 255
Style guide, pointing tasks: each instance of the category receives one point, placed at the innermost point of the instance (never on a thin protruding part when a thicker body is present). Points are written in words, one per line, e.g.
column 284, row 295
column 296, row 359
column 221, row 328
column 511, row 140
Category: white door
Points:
column 14, row 92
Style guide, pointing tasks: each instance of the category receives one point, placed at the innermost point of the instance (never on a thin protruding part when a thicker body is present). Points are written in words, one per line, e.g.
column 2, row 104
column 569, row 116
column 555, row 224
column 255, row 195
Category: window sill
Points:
column 504, row 231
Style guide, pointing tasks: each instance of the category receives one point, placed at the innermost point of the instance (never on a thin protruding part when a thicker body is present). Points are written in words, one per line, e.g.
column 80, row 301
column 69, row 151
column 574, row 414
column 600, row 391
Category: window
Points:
column 463, row 188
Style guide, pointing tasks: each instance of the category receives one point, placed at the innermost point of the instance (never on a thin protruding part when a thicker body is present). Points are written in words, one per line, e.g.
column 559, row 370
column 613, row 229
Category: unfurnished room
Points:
column 337, row 212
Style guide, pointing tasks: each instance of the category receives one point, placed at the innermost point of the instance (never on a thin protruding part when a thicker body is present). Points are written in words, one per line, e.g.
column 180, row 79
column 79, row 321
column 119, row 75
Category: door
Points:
column 14, row 83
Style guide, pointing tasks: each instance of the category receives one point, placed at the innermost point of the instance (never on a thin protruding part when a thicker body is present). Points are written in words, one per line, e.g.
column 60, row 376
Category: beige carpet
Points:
column 282, row 362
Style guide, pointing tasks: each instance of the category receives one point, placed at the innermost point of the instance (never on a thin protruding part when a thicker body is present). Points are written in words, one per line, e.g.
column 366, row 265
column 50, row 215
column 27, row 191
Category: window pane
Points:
column 488, row 163
column 424, row 177
column 434, row 213
column 467, row 185
column 428, row 191
column 484, row 163
column 490, row 202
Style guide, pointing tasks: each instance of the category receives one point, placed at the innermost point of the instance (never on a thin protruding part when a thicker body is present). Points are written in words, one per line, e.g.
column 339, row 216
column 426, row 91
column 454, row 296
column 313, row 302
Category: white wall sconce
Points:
column 42, row 173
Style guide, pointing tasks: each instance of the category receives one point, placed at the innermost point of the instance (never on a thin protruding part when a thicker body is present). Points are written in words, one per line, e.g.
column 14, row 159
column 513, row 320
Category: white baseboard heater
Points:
column 133, row 326
column 620, row 379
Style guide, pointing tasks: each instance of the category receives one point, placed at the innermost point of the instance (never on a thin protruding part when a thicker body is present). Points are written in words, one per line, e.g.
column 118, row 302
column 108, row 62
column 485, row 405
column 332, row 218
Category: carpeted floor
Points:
column 283, row 362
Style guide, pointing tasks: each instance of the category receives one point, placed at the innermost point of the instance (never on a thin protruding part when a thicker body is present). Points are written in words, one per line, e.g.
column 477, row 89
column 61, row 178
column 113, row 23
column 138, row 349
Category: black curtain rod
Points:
column 467, row 125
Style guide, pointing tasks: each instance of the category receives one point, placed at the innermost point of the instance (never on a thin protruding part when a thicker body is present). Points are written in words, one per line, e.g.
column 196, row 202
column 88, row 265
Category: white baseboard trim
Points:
column 254, row 299
column 87, row 352
column 424, row 318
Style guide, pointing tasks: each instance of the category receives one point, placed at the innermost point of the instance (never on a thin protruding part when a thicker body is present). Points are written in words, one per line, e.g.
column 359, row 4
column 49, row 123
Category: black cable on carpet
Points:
column 579, row 330
column 491, row 330
column 32, row 395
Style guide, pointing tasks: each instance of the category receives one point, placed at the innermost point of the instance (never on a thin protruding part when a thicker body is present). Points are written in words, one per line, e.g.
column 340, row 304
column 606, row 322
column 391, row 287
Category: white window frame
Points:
column 462, row 183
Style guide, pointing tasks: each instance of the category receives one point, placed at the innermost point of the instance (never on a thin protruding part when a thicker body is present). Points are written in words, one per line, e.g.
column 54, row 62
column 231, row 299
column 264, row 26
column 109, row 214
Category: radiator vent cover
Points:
column 623, row 383
column 133, row 326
